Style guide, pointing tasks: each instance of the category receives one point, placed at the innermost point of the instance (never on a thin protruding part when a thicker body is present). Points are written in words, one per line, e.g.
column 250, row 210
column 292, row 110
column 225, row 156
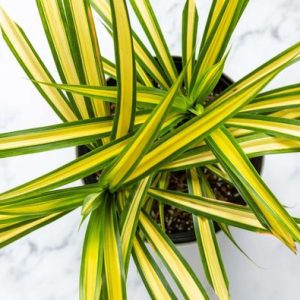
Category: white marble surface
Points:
column 45, row 264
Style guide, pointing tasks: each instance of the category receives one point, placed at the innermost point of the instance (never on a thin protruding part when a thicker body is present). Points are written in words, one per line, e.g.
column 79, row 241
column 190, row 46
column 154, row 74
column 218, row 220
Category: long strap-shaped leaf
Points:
column 216, row 42
column 263, row 203
column 216, row 8
column 189, row 38
column 88, row 164
column 126, row 73
column 223, row 108
column 85, row 49
column 57, row 201
column 291, row 113
column 207, row 242
column 163, row 184
column 58, row 136
column 277, row 126
column 152, row 276
column 254, row 146
column 182, row 273
column 92, row 257
column 134, row 151
column 145, row 61
column 147, row 18
column 113, row 262
column 130, row 217
column 53, row 137
column 19, row 230
column 79, row 168
column 192, row 132
column 217, row 210
column 53, row 23
column 146, row 97
column 282, row 98
column 33, row 66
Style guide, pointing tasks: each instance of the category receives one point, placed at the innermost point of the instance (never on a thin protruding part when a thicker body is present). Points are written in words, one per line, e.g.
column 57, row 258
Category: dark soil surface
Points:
column 178, row 221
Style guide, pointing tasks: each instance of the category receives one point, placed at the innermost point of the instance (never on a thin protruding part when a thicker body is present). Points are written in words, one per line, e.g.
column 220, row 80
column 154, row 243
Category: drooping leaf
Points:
column 206, row 239
column 92, row 257
column 113, row 261
column 261, row 200
column 182, row 273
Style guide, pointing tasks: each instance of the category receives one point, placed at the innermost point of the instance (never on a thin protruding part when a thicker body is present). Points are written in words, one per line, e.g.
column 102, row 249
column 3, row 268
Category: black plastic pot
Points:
column 188, row 236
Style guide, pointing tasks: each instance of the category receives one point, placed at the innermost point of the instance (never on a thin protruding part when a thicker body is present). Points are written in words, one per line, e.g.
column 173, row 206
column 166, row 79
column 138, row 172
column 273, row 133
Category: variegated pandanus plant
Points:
column 159, row 124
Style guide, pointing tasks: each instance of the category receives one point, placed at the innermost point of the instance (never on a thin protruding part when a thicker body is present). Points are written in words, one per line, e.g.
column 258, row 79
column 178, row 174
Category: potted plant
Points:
column 160, row 135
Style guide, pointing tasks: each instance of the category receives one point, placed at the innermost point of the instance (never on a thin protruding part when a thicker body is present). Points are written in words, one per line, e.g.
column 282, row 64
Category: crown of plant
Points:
column 160, row 124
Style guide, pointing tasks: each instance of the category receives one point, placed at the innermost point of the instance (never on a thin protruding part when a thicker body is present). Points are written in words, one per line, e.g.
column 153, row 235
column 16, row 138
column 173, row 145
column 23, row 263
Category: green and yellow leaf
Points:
column 142, row 140
column 182, row 273
column 21, row 229
column 193, row 131
column 146, row 97
column 261, row 200
column 113, row 262
column 34, row 67
column 189, row 38
column 217, row 210
column 254, row 146
column 283, row 98
column 144, row 59
column 150, row 272
column 271, row 125
column 54, row 25
column 55, row 136
column 92, row 257
column 207, row 242
column 126, row 73
column 85, row 165
column 130, row 217
column 223, row 21
column 85, row 48
column 148, row 21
